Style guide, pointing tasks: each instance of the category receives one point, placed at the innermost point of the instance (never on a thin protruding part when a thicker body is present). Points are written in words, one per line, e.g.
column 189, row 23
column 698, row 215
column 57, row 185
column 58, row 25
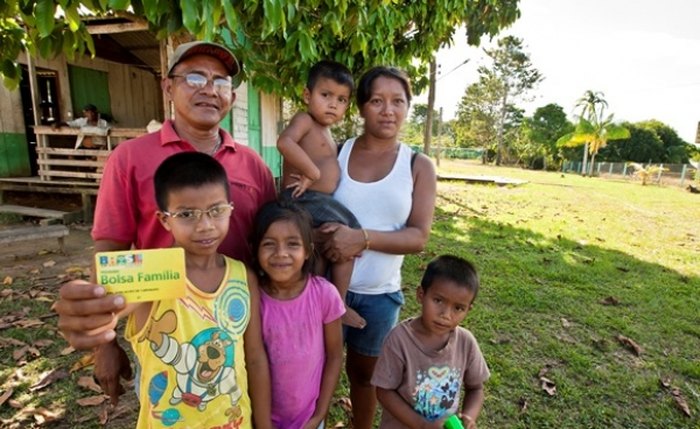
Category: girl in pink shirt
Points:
column 300, row 314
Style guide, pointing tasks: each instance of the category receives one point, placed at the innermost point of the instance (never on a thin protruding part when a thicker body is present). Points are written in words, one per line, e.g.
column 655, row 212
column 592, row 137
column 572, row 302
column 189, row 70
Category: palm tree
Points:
column 592, row 105
column 595, row 135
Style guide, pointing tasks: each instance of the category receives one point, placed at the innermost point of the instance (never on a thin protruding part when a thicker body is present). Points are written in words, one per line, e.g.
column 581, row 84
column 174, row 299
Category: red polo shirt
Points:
column 126, row 203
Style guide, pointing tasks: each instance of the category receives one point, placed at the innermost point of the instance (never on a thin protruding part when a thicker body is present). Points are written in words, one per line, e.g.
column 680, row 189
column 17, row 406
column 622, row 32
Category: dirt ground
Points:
column 17, row 259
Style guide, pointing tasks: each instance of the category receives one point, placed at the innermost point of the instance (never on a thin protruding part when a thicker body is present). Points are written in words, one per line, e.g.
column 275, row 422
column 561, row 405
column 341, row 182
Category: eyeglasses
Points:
column 192, row 216
column 198, row 81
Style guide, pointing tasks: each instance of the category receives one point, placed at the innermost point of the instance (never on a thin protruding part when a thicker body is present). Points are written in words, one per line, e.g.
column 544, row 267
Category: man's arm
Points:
column 256, row 360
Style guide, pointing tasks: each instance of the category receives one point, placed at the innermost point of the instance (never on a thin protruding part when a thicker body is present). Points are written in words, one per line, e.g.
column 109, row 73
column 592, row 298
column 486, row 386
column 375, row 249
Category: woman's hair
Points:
column 288, row 211
column 364, row 87
column 187, row 170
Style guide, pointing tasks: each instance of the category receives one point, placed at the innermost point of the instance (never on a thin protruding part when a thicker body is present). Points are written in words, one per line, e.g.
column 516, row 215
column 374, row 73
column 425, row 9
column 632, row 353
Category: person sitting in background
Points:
column 93, row 129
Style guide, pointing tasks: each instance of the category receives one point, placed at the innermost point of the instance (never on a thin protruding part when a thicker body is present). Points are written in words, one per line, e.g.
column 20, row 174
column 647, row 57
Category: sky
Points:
column 643, row 55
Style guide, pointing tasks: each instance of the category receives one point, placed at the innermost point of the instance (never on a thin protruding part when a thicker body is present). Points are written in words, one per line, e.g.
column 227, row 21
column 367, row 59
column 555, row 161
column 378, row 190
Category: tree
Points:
column 277, row 40
column 596, row 134
column 592, row 104
column 643, row 145
column 477, row 114
column 513, row 68
column 538, row 137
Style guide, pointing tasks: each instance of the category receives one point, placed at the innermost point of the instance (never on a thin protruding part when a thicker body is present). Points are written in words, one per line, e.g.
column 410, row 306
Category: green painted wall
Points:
column 89, row 86
column 273, row 159
column 14, row 155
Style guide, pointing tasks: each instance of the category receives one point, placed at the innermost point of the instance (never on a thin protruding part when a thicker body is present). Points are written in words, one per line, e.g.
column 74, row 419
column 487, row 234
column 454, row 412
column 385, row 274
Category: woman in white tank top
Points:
column 392, row 194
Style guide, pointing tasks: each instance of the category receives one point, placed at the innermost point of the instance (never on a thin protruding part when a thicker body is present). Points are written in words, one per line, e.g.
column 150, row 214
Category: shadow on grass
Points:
column 541, row 312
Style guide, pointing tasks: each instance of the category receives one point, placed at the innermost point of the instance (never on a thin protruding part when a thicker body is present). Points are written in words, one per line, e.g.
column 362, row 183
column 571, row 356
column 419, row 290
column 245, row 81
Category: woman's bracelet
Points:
column 366, row 234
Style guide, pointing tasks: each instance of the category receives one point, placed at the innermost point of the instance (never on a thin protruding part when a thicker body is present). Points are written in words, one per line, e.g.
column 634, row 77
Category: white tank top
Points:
column 383, row 205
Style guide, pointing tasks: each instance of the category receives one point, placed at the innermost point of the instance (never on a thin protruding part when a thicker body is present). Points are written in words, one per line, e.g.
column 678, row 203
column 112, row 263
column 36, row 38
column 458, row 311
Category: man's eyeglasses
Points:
column 191, row 216
column 198, row 81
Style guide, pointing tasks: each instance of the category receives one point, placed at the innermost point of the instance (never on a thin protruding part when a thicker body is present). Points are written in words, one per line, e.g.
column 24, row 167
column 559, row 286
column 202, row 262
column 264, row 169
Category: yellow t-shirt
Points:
column 192, row 358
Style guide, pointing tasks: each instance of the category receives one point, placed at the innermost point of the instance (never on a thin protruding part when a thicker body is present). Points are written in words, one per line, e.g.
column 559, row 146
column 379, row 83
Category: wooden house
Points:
column 123, row 81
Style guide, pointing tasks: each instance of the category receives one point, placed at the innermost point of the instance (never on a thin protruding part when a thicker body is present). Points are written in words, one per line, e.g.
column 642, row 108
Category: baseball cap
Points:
column 215, row 50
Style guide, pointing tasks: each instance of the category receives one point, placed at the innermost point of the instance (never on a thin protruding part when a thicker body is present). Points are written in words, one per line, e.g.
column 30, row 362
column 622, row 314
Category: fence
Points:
column 668, row 174
column 452, row 152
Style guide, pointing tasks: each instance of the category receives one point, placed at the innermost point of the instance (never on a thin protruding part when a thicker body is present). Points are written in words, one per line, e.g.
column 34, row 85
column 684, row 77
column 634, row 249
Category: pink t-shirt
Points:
column 126, row 202
column 294, row 338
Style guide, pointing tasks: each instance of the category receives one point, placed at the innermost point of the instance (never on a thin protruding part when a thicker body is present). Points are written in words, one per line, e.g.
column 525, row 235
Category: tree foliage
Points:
column 277, row 40
column 511, row 66
column 536, row 145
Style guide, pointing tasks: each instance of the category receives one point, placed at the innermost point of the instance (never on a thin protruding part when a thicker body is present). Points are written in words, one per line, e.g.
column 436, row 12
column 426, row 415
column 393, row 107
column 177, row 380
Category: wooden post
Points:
column 658, row 177
column 428, row 129
column 685, row 168
column 164, row 56
column 41, row 139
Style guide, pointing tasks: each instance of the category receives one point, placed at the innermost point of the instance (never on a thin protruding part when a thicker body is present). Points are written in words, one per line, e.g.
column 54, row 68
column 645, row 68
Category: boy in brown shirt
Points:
column 427, row 361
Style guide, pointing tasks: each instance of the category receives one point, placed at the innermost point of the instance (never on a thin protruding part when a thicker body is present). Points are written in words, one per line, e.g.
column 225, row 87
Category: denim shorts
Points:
column 381, row 313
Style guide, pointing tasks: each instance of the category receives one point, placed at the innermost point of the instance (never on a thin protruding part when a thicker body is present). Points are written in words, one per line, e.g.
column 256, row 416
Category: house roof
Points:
column 126, row 39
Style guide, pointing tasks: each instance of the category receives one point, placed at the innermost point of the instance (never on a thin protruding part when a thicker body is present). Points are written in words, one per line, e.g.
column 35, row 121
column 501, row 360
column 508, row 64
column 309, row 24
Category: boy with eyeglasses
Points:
column 197, row 367
column 126, row 204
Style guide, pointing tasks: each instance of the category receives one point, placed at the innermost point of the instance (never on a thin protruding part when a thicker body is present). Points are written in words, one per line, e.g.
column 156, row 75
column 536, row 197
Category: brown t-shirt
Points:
column 430, row 381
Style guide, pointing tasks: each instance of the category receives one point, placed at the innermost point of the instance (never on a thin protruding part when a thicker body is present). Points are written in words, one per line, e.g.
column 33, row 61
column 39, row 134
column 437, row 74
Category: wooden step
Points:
column 24, row 233
column 48, row 216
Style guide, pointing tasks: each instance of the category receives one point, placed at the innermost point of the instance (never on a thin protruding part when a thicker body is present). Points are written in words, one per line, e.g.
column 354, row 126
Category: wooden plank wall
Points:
column 11, row 118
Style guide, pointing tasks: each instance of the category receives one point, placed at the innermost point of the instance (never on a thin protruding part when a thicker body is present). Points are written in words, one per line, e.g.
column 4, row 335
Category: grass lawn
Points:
column 568, row 265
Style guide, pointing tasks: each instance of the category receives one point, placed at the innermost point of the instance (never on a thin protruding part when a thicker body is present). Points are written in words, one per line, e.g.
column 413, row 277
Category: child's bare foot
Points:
column 352, row 319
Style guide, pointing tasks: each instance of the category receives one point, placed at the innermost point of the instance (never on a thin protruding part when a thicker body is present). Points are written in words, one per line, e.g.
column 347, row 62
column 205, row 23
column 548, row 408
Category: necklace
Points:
column 217, row 145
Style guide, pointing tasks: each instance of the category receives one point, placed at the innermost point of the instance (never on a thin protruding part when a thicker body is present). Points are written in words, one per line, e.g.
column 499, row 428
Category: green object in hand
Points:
column 453, row 422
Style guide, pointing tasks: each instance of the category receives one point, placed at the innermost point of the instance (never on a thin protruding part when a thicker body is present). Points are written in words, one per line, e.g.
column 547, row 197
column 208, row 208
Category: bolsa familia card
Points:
column 143, row 275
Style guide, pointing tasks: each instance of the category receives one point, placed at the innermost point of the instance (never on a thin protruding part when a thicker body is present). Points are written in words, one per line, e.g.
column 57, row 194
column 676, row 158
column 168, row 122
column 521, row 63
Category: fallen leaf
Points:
column 87, row 360
column 345, row 404
column 89, row 383
column 5, row 396
column 91, row 401
column 630, row 344
column 548, row 386
column 7, row 281
column 565, row 323
column 665, row 382
column 680, row 401
column 43, row 343
column 43, row 252
column 610, row 300
column 48, row 378
column 49, row 264
column 340, row 424
column 5, row 293
column 543, row 371
column 42, row 415
column 73, row 270
column 14, row 404
column 68, row 350
column 19, row 353
column 27, row 323
column 104, row 416
column 11, row 341
column 522, row 402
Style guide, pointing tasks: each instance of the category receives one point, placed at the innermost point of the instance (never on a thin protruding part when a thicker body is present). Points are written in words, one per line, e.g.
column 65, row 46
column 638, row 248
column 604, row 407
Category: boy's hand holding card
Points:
column 143, row 275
